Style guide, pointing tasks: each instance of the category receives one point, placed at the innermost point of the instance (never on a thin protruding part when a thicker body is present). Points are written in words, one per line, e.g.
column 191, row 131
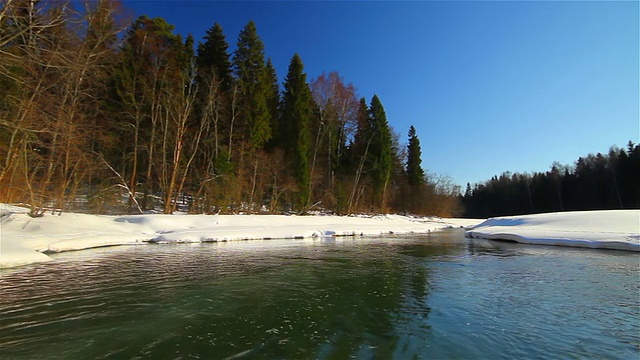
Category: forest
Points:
column 103, row 112
column 595, row 182
column 106, row 113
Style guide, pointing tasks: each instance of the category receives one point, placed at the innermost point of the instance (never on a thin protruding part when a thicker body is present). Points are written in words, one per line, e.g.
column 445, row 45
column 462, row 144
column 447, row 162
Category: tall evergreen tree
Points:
column 381, row 153
column 358, row 153
column 273, row 101
column 415, row 174
column 213, row 54
column 296, row 117
column 252, row 78
column 215, row 83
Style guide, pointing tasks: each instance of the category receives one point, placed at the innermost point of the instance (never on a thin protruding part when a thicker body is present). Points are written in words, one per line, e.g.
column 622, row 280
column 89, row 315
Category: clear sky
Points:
column 490, row 86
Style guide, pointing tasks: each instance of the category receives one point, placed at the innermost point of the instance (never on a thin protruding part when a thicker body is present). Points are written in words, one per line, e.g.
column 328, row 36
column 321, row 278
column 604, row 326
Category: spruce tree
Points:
column 215, row 82
column 273, row 100
column 213, row 54
column 295, row 122
column 415, row 174
column 358, row 153
column 252, row 78
column 380, row 150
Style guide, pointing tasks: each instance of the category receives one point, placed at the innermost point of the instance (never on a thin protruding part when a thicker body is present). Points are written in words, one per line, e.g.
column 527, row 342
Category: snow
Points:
column 25, row 240
column 606, row 229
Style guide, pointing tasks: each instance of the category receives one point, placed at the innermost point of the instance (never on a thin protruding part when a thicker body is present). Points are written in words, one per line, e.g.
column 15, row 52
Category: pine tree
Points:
column 213, row 54
column 295, row 131
column 252, row 78
column 415, row 174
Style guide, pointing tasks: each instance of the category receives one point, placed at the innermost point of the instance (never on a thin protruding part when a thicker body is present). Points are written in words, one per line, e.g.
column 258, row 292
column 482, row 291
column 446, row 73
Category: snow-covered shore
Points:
column 606, row 229
column 25, row 240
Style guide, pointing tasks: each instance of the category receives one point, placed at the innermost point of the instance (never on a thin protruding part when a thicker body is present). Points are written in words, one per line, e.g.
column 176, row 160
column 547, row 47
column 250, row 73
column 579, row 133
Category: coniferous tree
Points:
column 358, row 155
column 381, row 153
column 177, row 118
column 212, row 53
column 273, row 101
column 595, row 182
column 413, row 194
column 415, row 174
column 215, row 106
column 252, row 77
column 295, row 127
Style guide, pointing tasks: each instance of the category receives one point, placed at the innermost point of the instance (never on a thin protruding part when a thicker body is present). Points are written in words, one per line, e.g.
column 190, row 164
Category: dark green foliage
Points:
column 413, row 190
column 273, row 101
column 596, row 182
column 297, row 106
column 156, row 123
column 187, row 56
column 380, row 150
column 415, row 174
column 212, row 54
column 215, row 83
column 253, row 80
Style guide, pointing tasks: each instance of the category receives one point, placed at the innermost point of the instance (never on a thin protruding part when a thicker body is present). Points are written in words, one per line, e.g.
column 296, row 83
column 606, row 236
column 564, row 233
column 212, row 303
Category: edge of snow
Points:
column 601, row 229
column 25, row 240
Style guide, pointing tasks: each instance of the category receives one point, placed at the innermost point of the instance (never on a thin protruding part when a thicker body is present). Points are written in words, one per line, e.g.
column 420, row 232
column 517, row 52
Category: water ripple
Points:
column 439, row 296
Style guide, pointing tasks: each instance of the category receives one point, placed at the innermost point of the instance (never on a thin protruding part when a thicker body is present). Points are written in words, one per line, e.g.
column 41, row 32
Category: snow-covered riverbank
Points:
column 606, row 229
column 24, row 240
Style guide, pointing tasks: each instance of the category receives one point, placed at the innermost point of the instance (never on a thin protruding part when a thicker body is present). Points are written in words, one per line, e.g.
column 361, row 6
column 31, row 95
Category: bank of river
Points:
column 421, row 296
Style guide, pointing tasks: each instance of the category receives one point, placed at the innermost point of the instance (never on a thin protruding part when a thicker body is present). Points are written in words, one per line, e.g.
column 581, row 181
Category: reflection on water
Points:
column 430, row 296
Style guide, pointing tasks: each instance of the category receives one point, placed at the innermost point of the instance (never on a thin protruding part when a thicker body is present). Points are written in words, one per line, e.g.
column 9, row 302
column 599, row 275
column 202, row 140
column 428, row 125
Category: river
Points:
column 401, row 297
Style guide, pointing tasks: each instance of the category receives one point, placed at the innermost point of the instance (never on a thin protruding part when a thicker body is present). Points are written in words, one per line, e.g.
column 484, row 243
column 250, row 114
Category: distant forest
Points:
column 596, row 182
column 108, row 114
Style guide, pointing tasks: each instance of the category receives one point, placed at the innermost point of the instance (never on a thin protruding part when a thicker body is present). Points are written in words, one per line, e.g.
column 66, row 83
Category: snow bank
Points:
column 607, row 229
column 25, row 240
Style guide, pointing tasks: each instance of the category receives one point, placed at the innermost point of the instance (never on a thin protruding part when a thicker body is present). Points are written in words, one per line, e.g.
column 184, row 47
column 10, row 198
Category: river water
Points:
column 402, row 297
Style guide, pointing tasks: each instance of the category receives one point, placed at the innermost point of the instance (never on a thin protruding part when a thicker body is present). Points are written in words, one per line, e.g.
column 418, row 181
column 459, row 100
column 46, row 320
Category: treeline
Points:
column 105, row 114
column 596, row 182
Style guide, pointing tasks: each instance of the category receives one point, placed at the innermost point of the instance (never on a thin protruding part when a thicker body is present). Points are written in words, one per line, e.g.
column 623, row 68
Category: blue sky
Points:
column 490, row 86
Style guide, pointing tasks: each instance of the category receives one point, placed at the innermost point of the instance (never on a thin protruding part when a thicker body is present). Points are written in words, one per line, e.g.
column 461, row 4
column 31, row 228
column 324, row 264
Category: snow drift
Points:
column 606, row 229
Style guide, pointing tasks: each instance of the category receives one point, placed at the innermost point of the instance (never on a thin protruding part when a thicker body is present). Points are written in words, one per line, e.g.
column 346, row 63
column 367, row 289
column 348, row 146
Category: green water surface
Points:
column 402, row 297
